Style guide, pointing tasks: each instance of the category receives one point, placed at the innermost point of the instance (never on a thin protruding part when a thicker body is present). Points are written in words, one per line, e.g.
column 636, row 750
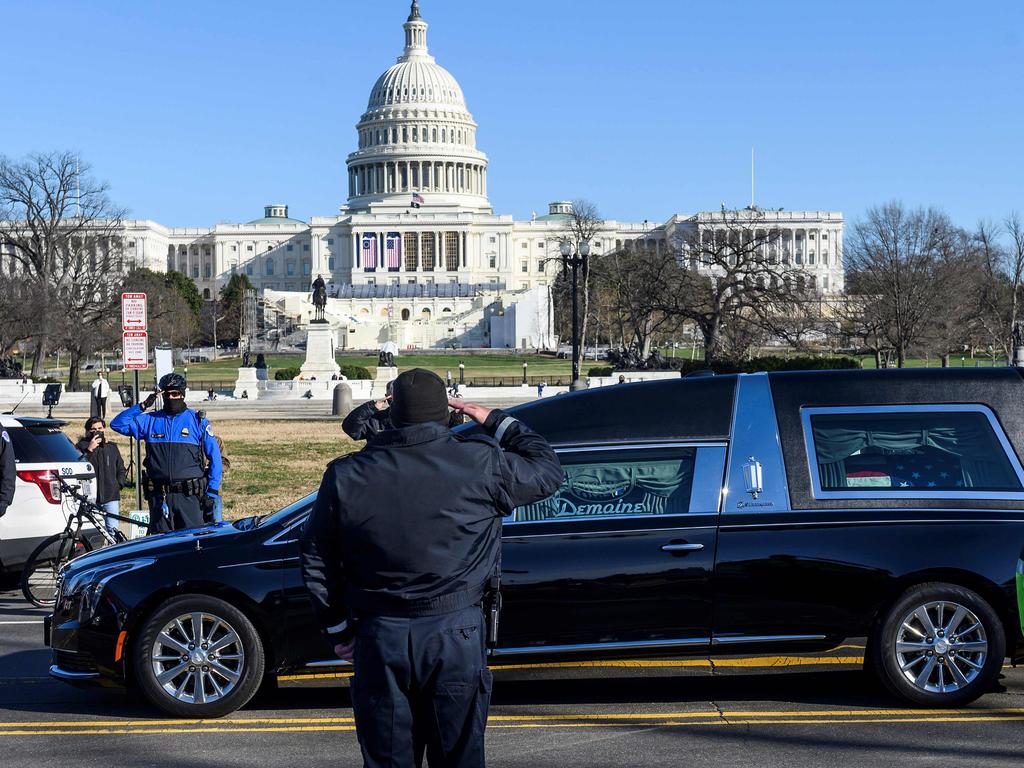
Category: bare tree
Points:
column 63, row 233
column 1015, row 270
column 997, row 289
column 894, row 254
column 17, row 311
column 734, row 280
column 631, row 285
column 864, row 320
column 582, row 226
column 959, row 281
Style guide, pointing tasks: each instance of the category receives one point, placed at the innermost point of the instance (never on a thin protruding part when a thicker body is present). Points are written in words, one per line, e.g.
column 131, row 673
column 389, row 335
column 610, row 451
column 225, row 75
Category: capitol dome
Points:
column 417, row 138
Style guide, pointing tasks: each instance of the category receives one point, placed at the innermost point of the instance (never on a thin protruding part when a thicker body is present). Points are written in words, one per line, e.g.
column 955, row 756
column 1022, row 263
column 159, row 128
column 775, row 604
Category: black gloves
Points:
column 149, row 401
column 207, row 505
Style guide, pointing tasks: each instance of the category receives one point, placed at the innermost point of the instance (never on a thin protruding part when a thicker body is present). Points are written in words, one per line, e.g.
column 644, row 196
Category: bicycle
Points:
column 40, row 574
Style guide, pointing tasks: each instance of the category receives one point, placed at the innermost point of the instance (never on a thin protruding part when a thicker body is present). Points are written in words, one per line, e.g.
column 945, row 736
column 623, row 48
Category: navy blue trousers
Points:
column 421, row 685
column 183, row 512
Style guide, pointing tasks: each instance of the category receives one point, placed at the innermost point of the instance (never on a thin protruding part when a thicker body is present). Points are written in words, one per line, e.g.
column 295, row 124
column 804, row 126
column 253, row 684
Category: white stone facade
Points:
column 417, row 183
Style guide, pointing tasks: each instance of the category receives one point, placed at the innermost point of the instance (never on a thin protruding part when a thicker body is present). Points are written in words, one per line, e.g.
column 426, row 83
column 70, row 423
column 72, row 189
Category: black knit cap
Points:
column 419, row 397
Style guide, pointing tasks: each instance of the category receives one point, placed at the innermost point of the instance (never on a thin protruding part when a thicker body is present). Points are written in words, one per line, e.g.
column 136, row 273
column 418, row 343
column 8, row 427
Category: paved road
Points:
column 662, row 714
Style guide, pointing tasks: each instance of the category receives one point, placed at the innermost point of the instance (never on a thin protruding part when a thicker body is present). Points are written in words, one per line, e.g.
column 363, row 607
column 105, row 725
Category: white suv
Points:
column 42, row 453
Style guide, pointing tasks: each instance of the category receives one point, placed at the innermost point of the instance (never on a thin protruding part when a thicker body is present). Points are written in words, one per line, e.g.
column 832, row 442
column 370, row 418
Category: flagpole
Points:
column 751, row 177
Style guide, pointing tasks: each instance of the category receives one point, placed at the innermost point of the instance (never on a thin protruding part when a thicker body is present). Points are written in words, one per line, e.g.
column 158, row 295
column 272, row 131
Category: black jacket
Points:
column 111, row 475
column 366, row 421
column 7, row 471
column 411, row 525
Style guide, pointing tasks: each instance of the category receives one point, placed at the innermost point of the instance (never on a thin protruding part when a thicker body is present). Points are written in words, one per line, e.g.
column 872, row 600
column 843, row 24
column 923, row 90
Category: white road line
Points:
column 36, row 621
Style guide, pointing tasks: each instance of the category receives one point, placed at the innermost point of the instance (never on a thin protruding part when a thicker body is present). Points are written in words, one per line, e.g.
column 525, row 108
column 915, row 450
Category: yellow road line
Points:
column 708, row 721
column 326, row 721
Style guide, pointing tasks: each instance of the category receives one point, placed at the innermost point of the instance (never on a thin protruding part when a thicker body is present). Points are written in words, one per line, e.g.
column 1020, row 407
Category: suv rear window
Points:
column 42, row 445
column 900, row 451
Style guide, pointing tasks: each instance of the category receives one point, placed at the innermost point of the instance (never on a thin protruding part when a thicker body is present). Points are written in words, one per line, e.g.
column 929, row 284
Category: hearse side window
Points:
column 625, row 483
column 910, row 451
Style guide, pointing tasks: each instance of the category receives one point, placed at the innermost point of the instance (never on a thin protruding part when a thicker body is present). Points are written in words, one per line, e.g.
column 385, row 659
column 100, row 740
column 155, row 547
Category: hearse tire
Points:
column 938, row 645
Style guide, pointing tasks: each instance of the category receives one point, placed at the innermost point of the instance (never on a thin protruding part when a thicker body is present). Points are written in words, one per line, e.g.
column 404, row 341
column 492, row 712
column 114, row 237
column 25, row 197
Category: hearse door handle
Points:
column 682, row 547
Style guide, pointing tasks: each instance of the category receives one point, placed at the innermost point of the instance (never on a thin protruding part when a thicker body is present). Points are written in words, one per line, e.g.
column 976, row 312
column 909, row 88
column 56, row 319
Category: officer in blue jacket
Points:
column 179, row 444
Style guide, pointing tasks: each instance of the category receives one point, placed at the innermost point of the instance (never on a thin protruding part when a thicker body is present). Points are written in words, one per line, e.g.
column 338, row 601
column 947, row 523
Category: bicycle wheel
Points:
column 39, row 576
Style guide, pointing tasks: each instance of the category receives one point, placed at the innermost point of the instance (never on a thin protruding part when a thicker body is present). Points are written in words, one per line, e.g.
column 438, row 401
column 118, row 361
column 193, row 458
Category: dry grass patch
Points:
column 273, row 463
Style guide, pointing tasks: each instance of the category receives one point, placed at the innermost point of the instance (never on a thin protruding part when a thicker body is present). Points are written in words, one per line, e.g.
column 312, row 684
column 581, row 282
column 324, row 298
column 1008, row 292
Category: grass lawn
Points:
column 273, row 463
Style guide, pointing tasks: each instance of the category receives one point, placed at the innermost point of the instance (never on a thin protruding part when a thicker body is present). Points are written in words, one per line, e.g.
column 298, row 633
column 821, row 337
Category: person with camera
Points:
column 111, row 475
column 179, row 487
column 401, row 547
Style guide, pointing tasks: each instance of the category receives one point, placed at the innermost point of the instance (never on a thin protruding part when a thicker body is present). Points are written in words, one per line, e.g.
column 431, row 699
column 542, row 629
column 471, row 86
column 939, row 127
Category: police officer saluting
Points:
column 179, row 444
column 401, row 544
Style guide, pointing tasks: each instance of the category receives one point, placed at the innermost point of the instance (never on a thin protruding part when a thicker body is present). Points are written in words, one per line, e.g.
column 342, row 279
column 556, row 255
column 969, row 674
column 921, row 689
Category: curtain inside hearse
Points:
column 620, row 485
column 963, row 443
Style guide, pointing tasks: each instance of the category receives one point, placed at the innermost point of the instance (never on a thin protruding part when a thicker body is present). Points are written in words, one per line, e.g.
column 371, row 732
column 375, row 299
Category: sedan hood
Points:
column 156, row 546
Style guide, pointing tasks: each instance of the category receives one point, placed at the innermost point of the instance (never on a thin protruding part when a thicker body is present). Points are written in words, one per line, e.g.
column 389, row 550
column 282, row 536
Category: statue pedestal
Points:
column 385, row 375
column 320, row 361
column 247, row 382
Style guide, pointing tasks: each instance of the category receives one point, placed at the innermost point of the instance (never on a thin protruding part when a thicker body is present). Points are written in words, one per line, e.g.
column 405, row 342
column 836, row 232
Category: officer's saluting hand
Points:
column 401, row 543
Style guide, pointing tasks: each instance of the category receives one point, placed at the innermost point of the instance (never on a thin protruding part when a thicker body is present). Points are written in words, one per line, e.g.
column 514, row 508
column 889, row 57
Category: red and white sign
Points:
column 135, row 350
column 134, row 316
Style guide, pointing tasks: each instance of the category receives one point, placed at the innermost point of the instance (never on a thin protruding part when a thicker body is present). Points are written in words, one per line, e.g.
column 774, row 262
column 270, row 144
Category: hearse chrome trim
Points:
column 643, row 446
column 612, row 531
column 276, row 538
column 64, row 674
column 876, row 521
column 686, row 642
column 742, row 639
column 755, row 438
column 806, row 413
column 329, row 663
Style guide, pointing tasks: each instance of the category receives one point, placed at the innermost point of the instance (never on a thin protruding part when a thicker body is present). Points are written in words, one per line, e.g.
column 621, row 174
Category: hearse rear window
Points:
column 618, row 484
column 909, row 451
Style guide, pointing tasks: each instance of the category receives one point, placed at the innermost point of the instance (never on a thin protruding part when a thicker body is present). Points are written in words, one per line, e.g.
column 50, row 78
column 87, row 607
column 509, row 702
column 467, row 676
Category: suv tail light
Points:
column 46, row 479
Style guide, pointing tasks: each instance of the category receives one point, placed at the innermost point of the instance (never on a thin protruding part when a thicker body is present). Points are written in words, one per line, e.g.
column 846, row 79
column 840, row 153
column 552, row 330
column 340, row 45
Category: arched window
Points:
column 425, row 313
column 405, row 314
column 206, row 293
column 434, row 139
column 405, row 135
column 444, row 135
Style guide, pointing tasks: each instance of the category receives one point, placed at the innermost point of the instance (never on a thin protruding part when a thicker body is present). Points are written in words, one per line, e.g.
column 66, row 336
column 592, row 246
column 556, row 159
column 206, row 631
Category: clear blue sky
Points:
column 200, row 112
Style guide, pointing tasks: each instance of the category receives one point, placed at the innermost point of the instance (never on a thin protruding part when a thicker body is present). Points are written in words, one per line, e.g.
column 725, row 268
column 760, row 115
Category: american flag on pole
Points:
column 369, row 253
column 417, row 200
column 393, row 251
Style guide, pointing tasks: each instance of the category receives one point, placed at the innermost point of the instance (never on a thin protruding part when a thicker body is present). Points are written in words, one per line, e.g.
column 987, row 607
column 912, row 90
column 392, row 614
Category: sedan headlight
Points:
column 89, row 584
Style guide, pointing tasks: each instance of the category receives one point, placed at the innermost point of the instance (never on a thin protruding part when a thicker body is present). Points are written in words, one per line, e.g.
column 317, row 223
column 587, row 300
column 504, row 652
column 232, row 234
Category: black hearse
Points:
column 753, row 514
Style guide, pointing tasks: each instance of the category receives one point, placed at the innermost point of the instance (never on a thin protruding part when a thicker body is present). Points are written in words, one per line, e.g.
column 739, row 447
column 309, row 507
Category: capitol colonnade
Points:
column 408, row 176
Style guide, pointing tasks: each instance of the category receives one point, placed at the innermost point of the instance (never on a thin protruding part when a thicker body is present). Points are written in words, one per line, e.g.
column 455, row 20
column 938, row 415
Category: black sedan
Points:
column 757, row 514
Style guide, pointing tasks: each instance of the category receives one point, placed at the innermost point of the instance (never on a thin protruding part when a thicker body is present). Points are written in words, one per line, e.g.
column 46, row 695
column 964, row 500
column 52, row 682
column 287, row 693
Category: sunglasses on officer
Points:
column 174, row 394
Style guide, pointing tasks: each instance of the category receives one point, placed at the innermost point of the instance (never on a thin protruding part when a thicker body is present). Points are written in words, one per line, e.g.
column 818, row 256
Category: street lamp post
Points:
column 575, row 261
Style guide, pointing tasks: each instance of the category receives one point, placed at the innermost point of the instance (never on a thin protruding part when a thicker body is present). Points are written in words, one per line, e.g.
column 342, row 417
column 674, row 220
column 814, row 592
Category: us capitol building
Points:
column 417, row 255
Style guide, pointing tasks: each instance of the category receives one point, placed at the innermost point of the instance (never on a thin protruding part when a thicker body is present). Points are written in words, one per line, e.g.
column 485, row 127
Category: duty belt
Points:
column 194, row 487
